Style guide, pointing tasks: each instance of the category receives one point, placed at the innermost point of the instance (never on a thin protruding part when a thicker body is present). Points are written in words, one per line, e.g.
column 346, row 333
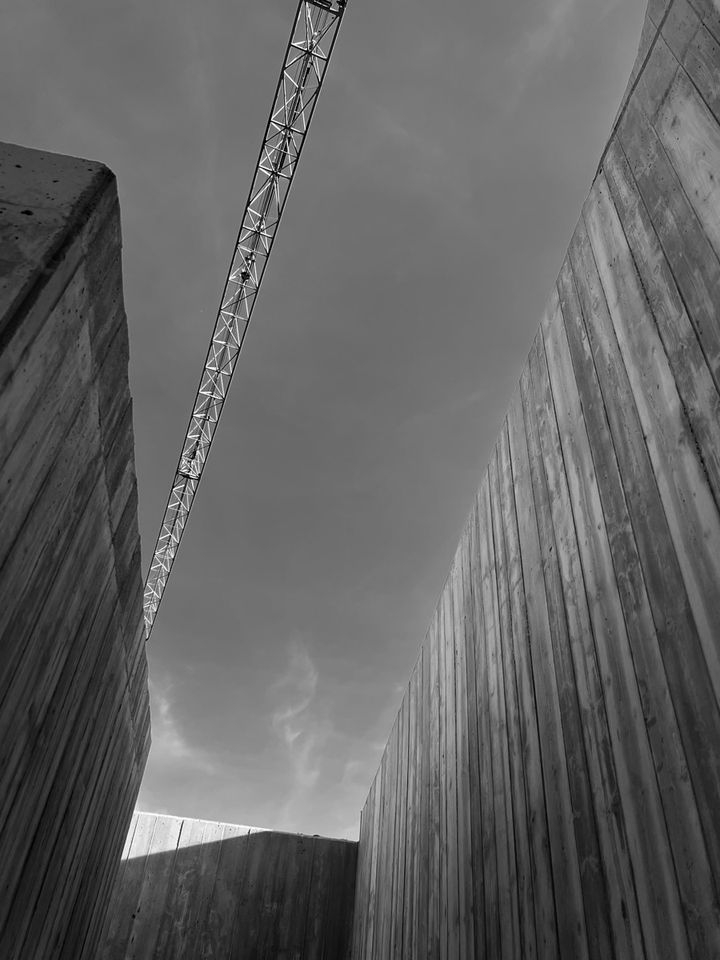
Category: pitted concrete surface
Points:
column 42, row 200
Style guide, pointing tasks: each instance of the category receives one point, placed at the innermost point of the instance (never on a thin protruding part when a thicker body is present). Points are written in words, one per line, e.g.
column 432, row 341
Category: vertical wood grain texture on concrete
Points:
column 191, row 888
column 563, row 718
column 74, row 712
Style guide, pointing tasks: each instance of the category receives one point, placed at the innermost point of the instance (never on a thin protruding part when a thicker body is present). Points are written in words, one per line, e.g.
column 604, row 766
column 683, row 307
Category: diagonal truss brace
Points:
column 306, row 58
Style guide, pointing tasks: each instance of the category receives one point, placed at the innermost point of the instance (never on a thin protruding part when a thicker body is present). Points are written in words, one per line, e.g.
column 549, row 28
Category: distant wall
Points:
column 551, row 786
column 192, row 888
column 74, row 720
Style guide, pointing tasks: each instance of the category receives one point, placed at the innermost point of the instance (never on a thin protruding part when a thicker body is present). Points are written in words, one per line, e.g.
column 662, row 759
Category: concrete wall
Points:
column 192, row 888
column 551, row 787
column 74, row 716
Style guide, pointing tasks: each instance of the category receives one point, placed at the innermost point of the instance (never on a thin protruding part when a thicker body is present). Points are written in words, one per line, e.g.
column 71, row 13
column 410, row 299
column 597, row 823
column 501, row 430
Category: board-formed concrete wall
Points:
column 74, row 714
column 193, row 888
column 551, row 787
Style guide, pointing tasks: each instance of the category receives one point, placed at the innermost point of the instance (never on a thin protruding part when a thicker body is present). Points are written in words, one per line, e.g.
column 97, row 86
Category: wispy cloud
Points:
column 299, row 724
column 448, row 409
column 351, row 771
column 169, row 746
column 384, row 139
column 552, row 35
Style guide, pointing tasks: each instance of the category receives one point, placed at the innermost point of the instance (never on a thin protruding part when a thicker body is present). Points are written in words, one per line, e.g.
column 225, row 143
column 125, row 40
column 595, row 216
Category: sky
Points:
column 451, row 150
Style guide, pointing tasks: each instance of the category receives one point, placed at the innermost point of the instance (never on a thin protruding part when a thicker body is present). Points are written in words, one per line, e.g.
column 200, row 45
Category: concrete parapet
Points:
column 196, row 888
column 74, row 712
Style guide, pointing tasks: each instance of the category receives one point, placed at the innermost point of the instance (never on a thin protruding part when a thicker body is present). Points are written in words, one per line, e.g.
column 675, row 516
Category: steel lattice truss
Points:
column 306, row 59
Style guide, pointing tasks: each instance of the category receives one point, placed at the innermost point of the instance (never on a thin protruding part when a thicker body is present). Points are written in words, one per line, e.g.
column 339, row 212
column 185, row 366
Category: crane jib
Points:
column 311, row 43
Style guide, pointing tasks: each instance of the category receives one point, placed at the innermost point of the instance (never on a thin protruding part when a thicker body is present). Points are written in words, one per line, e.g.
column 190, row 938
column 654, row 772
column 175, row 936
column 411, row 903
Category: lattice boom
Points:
column 306, row 58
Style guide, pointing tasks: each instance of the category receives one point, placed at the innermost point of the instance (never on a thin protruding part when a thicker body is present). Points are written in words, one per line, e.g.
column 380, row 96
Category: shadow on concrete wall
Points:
column 190, row 889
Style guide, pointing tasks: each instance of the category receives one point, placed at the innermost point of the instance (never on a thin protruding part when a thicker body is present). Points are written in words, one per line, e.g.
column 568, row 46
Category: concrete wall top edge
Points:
column 243, row 826
column 44, row 201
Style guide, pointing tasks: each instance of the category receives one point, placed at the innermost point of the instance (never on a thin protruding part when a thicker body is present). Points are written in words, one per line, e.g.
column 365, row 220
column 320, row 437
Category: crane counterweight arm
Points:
column 306, row 58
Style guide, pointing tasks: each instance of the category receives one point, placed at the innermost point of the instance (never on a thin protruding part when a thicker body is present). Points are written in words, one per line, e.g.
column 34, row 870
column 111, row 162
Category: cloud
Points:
column 387, row 136
column 169, row 747
column 354, row 772
column 448, row 409
column 350, row 831
column 552, row 34
column 299, row 724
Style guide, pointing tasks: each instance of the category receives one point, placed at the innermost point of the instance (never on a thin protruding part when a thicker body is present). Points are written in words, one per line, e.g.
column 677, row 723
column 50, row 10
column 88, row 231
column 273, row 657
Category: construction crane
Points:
column 311, row 43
